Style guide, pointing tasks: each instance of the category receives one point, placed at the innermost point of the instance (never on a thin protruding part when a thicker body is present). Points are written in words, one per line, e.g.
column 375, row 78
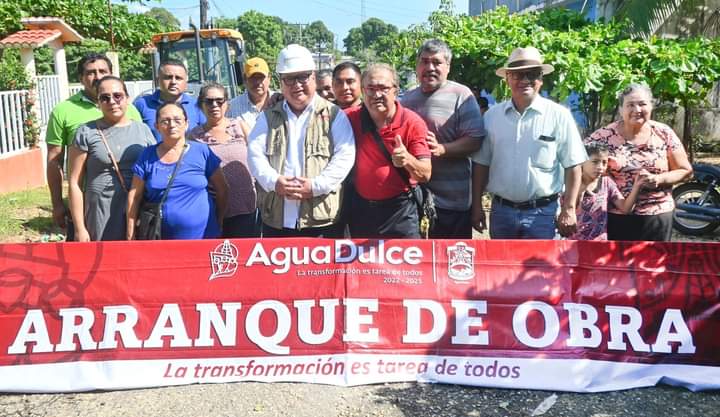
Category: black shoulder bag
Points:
column 425, row 201
column 150, row 217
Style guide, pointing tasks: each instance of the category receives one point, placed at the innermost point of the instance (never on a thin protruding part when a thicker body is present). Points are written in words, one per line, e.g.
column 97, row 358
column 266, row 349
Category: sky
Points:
column 338, row 16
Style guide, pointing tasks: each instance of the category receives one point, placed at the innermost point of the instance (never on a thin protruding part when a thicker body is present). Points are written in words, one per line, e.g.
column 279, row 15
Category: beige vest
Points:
column 318, row 211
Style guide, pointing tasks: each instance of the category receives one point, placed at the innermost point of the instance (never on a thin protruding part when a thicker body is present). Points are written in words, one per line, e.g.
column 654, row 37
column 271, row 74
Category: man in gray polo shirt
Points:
column 456, row 130
column 532, row 150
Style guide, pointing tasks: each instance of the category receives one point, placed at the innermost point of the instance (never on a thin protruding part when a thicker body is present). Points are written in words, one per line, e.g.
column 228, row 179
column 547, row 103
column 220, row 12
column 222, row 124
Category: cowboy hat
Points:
column 523, row 58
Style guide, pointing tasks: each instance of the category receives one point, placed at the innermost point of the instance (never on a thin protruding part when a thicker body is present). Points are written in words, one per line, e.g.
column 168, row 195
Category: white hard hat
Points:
column 295, row 58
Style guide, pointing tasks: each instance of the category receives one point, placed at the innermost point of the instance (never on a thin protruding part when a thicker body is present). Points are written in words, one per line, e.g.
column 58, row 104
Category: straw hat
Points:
column 523, row 58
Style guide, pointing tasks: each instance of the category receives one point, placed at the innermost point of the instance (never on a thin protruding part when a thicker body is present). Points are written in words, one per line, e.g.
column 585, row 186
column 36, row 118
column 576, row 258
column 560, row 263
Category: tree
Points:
column 372, row 34
column 167, row 19
column 263, row 34
column 646, row 17
column 91, row 18
column 225, row 22
column 595, row 61
column 317, row 35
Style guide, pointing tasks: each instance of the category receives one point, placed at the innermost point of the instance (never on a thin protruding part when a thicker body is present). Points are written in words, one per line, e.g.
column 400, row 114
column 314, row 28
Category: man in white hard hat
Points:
column 299, row 152
column 532, row 149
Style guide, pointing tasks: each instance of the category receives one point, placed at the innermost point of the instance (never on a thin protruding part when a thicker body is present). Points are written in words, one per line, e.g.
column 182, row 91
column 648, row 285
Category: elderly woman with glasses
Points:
column 101, row 160
column 188, row 210
column 641, row 148
column 228, row 140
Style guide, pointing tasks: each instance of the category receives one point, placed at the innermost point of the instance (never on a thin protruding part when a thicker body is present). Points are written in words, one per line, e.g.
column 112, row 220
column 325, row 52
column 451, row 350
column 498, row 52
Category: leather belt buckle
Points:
column 530, row 204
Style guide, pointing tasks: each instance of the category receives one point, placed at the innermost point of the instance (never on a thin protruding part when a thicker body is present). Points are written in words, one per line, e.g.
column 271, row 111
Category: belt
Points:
column 405, row 195
column 530, row 204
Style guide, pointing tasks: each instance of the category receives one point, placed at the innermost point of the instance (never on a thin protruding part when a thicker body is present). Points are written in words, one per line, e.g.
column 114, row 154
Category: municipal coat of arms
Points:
column 223, row 260
column 461, row 262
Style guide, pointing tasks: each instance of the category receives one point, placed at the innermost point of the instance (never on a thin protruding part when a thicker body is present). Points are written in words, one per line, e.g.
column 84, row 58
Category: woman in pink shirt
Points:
column 641, row 147
column 228, row 140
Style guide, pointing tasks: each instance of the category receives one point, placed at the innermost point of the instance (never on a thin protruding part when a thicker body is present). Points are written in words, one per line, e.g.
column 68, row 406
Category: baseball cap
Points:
column 256, row 65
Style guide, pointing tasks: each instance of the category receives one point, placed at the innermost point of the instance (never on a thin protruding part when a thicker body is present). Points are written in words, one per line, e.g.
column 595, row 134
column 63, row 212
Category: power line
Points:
column 182, row 8
column 348, row 12
column 389, row 7
column 217, row 8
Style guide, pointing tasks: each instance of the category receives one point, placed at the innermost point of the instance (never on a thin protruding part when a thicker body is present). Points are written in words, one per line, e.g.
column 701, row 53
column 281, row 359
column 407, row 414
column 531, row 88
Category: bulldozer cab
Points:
column 208, row 54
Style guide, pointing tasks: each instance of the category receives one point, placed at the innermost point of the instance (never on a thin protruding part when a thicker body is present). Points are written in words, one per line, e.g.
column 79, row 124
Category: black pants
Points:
column 394, row 218
column 346, row 205
column 242, row 225
column 656, row 228
column 452, row 224
column 334, row 231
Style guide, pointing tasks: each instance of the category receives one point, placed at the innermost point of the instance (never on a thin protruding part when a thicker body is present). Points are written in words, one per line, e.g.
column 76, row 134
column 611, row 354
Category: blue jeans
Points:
column 510, row 223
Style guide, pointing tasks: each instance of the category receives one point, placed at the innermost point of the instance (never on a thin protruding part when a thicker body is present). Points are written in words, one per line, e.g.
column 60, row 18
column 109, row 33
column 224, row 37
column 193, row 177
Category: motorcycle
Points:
column 697, row 203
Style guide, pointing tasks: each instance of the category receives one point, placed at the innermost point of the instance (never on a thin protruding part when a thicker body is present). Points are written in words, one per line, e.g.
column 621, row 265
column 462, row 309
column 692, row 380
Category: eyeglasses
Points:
column 116, row 97
column 210, row 101
column 435, row 62
column 168, row 122
column 300, row 78
column 531, row 75
column 382, row 89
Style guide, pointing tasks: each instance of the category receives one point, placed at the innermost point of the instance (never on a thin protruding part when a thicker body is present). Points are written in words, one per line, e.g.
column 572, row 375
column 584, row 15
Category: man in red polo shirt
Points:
column 385, row 204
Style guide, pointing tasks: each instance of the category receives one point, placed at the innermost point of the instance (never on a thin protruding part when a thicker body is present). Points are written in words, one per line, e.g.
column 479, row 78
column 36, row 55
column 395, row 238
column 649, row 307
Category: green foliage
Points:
column 263, row 35
column 225, row 23
column 166, row 19
column 594, row 60
column 646, row 17
column 317, row 35
column 90, row 18
column 33, row 204
column 12, row 73
column 373, row 34
column 9, row 18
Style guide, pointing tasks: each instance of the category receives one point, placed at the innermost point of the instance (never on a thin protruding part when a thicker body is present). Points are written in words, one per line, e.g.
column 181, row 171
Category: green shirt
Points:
column 68, row 115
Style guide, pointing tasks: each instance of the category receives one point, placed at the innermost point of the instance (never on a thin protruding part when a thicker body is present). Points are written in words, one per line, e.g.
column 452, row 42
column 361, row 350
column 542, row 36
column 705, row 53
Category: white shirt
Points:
column 242, row 107
column 527, row 153
column 332, row 175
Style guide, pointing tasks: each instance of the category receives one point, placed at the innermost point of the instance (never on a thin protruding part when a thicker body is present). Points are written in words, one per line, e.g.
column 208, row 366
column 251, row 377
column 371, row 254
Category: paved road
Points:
column 391, row 400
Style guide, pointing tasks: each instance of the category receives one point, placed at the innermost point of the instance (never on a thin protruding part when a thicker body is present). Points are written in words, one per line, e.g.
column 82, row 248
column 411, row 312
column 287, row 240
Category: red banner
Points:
column 557, row 315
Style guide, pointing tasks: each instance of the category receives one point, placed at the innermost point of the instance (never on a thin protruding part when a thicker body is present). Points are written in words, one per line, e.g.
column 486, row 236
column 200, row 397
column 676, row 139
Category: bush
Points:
column 12, row 73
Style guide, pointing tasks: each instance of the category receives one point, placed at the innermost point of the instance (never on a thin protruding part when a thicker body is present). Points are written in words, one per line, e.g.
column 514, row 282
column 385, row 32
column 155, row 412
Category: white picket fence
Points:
column 12, row 109
column 48, row 88
column 12, row 117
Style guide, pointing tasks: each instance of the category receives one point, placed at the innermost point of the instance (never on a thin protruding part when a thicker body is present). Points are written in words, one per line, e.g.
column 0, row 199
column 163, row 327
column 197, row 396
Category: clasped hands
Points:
column 294, row 188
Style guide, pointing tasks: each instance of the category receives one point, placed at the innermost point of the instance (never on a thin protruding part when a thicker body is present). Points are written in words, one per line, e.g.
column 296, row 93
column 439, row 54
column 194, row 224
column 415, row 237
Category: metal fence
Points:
column 48, row 87
column 12, row 117
column 13, row 114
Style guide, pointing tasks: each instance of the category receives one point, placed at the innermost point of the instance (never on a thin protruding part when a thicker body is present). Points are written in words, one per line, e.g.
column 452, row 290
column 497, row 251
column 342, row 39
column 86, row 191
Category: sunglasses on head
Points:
column 214, row 101
column 106, row 98
column 530, row 75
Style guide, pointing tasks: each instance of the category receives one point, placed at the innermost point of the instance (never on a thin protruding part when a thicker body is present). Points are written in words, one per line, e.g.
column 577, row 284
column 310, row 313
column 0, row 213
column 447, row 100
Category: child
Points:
column 596, row 190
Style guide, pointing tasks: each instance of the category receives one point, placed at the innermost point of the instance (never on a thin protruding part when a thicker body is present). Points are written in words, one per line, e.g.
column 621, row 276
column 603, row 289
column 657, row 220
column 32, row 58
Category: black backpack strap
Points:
column 172, row 177
column 368, row 125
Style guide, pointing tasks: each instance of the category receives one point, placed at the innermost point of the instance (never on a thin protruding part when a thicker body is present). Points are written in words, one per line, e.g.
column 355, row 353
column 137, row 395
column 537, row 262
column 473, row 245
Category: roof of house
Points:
column 30, row 38
column 39, row 31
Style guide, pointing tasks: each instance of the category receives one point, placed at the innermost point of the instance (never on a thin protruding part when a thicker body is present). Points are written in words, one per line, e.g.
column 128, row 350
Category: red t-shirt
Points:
column 375, row 176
